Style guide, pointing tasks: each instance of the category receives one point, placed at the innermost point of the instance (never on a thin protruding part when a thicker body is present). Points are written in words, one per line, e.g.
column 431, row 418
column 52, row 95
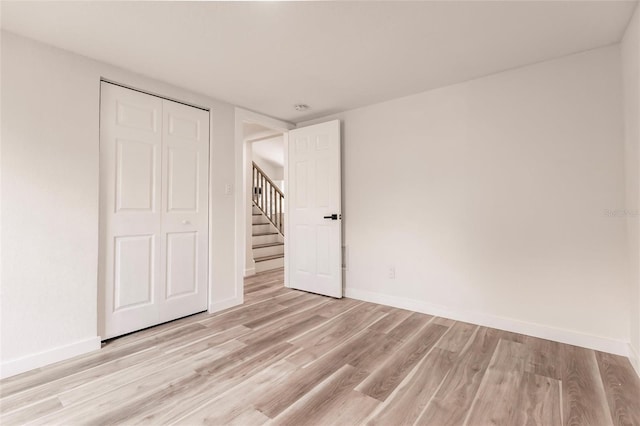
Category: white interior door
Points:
column 153, row 210
column 314, row 234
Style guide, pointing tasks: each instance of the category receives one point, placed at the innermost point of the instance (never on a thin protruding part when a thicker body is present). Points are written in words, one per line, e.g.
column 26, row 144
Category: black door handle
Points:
column 333, row 217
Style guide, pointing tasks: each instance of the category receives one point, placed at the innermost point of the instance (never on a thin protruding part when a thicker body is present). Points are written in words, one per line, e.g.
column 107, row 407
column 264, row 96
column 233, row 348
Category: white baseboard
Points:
column 634, row 358
column 603, row 344
column 249, row 271
column 40, row 359
column 225, row 304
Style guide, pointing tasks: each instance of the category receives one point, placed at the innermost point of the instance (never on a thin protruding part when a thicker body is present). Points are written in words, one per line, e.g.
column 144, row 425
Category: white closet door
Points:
column 153, row 210
column 185, row 176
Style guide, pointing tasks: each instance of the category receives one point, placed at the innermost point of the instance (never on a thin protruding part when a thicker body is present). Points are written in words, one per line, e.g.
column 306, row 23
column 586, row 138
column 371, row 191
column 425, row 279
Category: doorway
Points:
column 312, row 217
column 265, row 196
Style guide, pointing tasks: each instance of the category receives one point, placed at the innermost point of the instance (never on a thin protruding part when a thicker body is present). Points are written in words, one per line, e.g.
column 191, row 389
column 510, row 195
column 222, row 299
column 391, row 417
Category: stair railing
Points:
column 268, row 198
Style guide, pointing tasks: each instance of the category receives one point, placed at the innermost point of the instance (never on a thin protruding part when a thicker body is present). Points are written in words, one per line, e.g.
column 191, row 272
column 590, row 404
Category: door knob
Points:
column 186, row 222
column 334, row 216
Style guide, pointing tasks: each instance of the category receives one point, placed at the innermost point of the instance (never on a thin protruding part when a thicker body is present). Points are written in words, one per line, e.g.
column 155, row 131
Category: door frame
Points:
column 100, row 285
column 241, row 199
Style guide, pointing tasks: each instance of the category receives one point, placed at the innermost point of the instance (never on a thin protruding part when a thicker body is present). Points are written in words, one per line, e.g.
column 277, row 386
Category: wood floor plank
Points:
column 539, row 401
column 338, row 329
column 249, row 416
column 54, row 387
column 386, row 347
column 409, row 326
column 509, row 394
column 194, row 399
column 225, row 407
column 546, row 358
column 181, row 361
column 324, row 398
column 86, row 362
column 291, row 357
column 352, row 410
column 239, row 317
column 450, row 404
column 305, row 379
column 390, row 321
column 384, row 380
column 457, row 337
column 621, row 387
column 39, row 409
column 583, row 396
column 285, row 329
column 288, row 311
column 407, row 402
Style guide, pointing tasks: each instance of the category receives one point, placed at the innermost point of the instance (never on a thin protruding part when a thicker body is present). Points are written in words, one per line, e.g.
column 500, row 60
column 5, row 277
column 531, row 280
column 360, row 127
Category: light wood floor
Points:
column 288, row 357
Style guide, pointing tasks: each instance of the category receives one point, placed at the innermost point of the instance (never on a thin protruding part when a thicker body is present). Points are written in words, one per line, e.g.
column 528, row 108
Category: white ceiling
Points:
column 253, row 131
column 268, row 56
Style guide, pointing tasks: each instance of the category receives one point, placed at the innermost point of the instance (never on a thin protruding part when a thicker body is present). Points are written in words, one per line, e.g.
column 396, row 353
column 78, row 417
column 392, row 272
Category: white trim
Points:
column 634, row 358
column 603, row 344
column 225, row 304
column 242, row 116
column 40, row 359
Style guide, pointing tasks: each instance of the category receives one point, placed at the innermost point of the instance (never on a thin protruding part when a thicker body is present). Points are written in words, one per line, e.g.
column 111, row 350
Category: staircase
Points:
column 267, row 223
column 268, row 243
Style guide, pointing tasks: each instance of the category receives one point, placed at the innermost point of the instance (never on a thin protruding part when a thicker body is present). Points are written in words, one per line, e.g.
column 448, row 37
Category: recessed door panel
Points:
column 133, row 271
column 181, row 263
column 323, row 250
column 135, row 175
column 323, row 180
column 184, row 127
column 136, row 116
column 183, row 179
column 306, row 245
column 301, row 144
column 301, row 184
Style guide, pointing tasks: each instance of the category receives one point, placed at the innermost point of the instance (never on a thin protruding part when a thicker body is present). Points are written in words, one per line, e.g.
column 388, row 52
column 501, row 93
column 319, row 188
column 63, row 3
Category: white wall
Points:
column 50, row 136
column 630, row 48
column 489, row 199
column 274, row 170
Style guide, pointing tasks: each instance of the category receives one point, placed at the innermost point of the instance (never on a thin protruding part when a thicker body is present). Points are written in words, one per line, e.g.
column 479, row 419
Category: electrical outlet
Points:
column 228, row 189
column 392, row 273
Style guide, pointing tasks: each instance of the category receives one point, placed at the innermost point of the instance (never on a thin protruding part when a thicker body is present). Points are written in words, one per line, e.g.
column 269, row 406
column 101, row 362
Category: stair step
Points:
column 257, row 214
column 266, row 233
column 265, row 258
column 258, row 224
column 259, row 246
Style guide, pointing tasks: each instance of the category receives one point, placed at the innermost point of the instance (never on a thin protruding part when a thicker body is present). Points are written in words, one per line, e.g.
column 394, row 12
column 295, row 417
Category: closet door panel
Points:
column 130, row 269
column 185, row 208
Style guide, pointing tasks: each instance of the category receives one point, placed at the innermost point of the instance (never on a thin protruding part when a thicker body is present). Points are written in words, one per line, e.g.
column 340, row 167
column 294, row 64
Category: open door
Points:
column 314, row 233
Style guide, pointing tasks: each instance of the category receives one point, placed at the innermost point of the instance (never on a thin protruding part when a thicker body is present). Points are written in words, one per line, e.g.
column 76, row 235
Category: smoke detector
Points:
column 301, row 107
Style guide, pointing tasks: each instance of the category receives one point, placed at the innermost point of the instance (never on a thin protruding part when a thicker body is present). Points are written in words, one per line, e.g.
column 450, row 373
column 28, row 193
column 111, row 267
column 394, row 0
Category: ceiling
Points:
column 255, row 131
column 268, row 56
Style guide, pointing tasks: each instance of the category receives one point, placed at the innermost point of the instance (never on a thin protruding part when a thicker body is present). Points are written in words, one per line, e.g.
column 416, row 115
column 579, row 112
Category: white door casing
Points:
column 314, row 192
column 153, row 210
